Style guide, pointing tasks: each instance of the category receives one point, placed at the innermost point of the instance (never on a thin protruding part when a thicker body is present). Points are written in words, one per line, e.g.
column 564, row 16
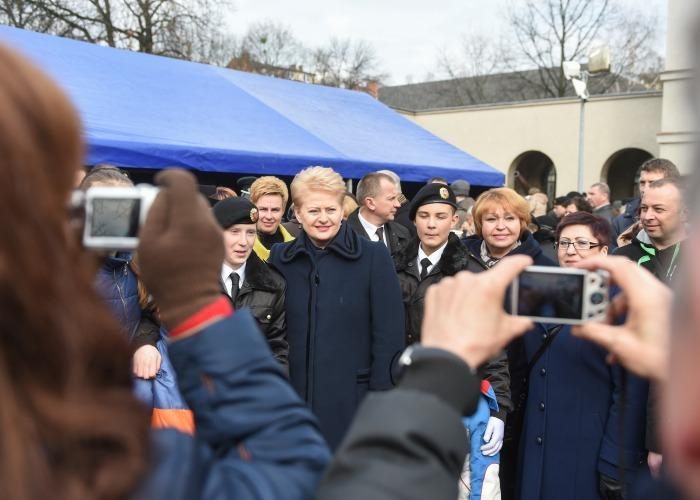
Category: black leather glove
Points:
column 610, row 489
column 180, row 249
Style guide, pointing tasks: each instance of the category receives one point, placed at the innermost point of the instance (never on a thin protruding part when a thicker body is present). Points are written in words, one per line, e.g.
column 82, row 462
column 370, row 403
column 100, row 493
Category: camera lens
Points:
column 597, row 298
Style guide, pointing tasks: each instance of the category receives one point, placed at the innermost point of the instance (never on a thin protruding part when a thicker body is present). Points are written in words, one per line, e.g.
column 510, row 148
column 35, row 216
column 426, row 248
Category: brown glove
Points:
column 180, row 249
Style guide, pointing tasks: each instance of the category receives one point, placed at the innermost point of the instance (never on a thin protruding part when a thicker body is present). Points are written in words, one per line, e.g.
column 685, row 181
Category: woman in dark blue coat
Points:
column 573, row 436
column 501, row 217
column 345, row 322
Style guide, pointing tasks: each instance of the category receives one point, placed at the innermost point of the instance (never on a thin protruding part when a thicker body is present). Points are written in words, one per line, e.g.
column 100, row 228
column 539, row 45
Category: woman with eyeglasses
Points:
column 583, row 415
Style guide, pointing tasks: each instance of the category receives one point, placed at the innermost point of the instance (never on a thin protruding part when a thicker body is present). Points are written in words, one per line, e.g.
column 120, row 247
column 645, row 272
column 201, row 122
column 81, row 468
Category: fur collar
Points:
column 455, row 257
column 259, row 276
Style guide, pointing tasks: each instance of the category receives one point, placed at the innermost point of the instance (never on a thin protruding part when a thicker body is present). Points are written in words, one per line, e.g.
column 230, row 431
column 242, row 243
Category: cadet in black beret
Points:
column 432, row 193
column 246, row 279
column 235, row 210
column 437, row 253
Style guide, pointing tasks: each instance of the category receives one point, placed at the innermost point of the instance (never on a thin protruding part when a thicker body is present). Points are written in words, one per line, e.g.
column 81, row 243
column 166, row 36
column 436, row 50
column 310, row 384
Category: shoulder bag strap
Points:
column 551, row 333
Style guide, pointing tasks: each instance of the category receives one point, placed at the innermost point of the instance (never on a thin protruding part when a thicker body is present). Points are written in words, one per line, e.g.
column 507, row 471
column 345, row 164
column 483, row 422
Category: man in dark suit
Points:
column 378, row 197
column 598, row 195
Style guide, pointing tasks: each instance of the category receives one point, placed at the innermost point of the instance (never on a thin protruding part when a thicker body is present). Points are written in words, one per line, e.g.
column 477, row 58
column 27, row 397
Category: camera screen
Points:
column 115, row 217
column 550, row 295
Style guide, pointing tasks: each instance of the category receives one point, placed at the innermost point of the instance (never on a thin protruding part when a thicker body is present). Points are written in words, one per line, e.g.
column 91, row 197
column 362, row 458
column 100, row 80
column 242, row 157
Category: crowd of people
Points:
column 343, row 353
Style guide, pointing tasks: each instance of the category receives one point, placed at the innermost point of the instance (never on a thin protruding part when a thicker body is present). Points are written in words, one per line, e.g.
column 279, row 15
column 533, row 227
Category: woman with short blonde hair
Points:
column 269, row 185
column 317, row 178
column 501, row 217
column 506, row 198
column 345, row 320
column 270, row 195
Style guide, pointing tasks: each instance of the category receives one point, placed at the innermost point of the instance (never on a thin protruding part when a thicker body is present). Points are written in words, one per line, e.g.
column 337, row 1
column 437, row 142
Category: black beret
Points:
column 235, row 210
column 432, row 193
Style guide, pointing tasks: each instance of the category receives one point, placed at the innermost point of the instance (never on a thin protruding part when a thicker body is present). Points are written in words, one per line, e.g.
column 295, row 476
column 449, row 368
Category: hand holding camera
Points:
column 641, row 343
column 464, row 314
column 180, row 249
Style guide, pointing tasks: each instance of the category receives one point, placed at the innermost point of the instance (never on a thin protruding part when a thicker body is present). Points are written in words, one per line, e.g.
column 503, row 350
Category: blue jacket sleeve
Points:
column 255, row 439
column 625, row 426
column 388, row 327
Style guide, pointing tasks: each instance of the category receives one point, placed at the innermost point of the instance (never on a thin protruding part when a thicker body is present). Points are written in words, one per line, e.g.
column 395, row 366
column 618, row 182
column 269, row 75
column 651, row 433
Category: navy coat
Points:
column 345, row 323
column 117, row 285
column 572, row 428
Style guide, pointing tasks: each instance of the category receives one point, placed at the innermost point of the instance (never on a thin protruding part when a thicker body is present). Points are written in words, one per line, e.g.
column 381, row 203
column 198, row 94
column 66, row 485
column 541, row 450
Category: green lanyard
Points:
column 652, row 252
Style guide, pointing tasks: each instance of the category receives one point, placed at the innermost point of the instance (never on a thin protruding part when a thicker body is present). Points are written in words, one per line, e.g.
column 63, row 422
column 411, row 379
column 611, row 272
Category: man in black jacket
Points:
column 659, row 247
column 650, row 171
column 378, row 197
column 435, row 254
column 246, row 279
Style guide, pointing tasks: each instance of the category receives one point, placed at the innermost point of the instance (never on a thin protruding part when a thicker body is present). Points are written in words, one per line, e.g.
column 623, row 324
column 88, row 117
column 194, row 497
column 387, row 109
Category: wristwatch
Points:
column 417, row 353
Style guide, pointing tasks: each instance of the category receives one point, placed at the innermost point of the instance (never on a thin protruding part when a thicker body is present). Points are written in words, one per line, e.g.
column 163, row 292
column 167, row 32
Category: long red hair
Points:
column 71, row 426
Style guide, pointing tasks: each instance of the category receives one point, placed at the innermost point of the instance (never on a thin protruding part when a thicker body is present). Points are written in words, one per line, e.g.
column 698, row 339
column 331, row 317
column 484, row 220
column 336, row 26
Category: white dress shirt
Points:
column 371, row 229
column 226, row 271
column 434, row 257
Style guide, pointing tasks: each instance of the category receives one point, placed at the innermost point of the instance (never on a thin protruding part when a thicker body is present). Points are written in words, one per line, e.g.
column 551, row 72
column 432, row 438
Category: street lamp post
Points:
column 598, row 62
column 581, row 136
column 579, row 77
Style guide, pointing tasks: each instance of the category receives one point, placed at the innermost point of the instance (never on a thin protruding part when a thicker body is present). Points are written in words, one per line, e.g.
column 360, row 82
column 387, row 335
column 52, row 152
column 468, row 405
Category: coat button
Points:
column 544, row 336
column 541, row 405
column 269, row 316
column 543, row 372
column 539, row 440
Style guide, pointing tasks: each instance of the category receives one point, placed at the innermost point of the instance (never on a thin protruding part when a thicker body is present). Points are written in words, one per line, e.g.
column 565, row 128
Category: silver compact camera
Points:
column 113, row 215
column 560, row 295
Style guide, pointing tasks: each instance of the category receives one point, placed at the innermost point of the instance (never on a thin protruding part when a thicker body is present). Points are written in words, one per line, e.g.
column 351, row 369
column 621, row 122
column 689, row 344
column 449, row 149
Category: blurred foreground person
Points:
column 345, row 324
column 118, row 284
column 74, row 430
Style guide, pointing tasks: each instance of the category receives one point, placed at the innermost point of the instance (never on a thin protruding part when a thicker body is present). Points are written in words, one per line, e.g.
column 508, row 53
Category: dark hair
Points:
column 438, row 180
column 562, row 201
column 599, row 226
column 73, row 427
column 662, row 165
column 581, row 204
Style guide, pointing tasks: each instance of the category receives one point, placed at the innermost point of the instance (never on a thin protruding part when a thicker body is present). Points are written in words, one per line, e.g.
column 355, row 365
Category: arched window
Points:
column 533, row 169
column 621, row 172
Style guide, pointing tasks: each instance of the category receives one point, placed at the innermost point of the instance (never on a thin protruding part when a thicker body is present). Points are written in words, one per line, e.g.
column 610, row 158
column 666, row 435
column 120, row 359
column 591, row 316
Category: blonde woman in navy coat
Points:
column 345, row 319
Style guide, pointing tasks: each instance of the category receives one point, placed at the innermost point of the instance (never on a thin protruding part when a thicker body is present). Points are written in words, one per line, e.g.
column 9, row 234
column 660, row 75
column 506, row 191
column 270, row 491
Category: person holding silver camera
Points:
column 118, row 284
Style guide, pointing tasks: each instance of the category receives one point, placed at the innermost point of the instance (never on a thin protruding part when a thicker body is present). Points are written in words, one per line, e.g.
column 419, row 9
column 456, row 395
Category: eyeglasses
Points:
column 578, row 244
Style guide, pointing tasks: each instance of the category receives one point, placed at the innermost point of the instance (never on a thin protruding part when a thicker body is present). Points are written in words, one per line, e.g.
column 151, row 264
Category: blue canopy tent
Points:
column 144, row 111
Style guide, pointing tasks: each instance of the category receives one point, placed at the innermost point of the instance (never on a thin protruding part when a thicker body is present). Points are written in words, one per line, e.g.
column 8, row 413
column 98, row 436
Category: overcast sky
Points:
column 406, row 34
